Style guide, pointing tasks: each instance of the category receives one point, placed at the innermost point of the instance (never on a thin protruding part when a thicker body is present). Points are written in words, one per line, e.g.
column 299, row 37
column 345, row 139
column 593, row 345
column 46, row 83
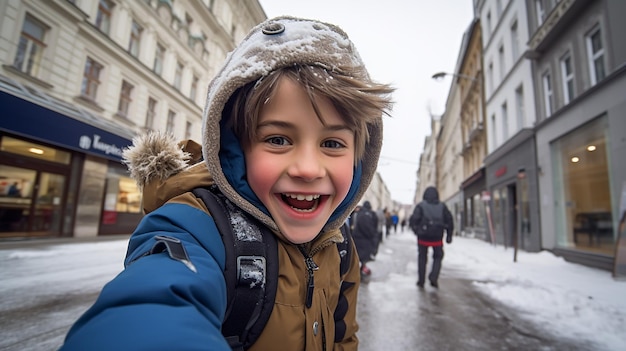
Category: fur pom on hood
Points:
column 154, row 156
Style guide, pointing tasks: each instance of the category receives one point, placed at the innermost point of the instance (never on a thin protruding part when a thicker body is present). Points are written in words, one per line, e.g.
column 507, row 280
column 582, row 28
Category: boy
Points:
column 291, row 137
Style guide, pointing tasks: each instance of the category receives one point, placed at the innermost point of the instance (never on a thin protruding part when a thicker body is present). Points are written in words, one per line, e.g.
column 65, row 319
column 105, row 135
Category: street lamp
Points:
column 440, row 75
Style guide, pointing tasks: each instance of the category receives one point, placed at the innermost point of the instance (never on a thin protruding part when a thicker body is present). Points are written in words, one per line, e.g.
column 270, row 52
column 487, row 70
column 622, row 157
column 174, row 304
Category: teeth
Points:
column 303, row 197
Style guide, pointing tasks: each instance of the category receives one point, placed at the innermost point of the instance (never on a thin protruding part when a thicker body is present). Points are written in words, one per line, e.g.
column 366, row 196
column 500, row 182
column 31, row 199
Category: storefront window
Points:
column 16, row 191
column 479, row 211
column 122, row 193
column 582, row 189
column 29, row 149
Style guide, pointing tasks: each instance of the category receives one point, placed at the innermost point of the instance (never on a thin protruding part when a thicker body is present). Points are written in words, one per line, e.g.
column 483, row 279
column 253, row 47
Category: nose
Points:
column 307, row 164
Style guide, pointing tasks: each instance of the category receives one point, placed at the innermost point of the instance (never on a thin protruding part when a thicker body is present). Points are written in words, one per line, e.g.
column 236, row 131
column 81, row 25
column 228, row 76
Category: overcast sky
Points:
column 402, row 43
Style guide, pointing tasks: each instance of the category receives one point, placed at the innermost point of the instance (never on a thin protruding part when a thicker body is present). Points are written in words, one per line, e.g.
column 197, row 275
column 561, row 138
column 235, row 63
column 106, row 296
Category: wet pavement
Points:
column 394, row 314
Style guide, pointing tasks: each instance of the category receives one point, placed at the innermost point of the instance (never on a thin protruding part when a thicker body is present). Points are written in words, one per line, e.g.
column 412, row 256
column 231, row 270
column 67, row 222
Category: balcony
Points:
column 549, row 31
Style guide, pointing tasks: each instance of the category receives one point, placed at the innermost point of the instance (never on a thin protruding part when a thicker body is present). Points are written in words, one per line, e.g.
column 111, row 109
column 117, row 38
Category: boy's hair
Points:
column 358, row 102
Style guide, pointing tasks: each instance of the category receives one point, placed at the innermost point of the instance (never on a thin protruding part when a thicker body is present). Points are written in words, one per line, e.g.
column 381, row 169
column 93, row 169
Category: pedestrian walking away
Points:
column 430, row 219
column 366, row 237
column 291, row 137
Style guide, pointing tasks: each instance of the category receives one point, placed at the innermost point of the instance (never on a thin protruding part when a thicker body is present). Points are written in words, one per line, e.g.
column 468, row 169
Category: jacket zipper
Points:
column 311, row 267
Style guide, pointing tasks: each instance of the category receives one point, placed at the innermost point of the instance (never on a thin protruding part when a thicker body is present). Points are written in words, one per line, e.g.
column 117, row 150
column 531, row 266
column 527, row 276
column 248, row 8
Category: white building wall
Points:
column 504, row 73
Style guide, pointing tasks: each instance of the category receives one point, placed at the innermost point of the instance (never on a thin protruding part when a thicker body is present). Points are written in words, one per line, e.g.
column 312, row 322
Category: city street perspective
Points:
column 485, row 300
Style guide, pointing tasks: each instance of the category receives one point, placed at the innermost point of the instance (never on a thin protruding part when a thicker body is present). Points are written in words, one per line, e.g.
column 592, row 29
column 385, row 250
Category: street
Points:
column 44, row 289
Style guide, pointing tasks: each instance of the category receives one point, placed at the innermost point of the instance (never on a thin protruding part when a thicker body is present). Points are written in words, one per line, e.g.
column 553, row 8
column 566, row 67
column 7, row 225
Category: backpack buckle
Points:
column 251, row 271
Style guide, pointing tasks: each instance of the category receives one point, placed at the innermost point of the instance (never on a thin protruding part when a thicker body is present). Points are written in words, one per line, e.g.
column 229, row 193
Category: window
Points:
column 568, row 78
column 150, row 113
column 169, row 127
column 488, row 29
column 595, row 52
column 103, row 17
column 490, row 78
column 539, row 12
column 501, row 61
column 194, row 88
column 505, row 122
column 125, row 99
column 178, row 75
column 159, row 55
column 30, row 47
column 514, row 41
column 91, row 79
column 494, row 134
column 135, row 39
column 188, row 129
column 547, row 94
column 519, row 107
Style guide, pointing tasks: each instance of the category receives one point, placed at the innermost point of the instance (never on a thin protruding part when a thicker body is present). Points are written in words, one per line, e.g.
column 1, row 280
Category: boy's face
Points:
column 300, row 169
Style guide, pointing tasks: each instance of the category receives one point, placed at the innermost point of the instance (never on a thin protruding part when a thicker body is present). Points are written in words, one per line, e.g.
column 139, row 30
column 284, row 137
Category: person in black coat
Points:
column 429, row 220
column 365, row 236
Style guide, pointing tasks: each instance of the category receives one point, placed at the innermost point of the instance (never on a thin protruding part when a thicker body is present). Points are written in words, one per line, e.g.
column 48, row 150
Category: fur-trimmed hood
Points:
column 273, row 44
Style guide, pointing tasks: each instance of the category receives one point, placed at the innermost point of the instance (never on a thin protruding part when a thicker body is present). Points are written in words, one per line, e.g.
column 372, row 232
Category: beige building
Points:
column 79, row 79
column 473, row 132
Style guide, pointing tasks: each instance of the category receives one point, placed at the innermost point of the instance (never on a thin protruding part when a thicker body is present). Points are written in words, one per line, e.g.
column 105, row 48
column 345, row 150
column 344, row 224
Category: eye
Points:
column 277, row 140
column 333, row 144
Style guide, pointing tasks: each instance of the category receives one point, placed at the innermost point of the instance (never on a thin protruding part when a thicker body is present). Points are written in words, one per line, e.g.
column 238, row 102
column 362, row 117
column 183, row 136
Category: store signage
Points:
column 500, row 171
column 95, row 142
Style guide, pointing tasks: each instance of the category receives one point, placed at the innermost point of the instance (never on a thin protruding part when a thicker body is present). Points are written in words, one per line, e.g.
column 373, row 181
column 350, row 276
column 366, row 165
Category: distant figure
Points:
column 388, row 222
column 366, row 237
column 403, row 224
column 429, row 220
column 394, row 221
column 14, row 191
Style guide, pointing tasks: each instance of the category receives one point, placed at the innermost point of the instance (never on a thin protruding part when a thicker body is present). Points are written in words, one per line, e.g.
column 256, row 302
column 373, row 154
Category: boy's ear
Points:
column 193, row 149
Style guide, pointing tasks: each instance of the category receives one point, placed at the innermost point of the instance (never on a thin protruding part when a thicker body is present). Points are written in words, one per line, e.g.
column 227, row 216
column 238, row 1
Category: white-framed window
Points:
column 505, row 121
column 547, row 93
column 169, row 126
column 103, row 17
column 91, row 79
column 135, row 38
column 150, row 113
column 540, row 12
column 488, row 31
column 519, row 107
column 515, row 41
column 31, row 46
column 159, row 56
column 178, row 75
column 567, row 74
column 595, row 53
column 494, row 128
column 125, row 99
column 188, row 130
column 491, row 86
column 194, row 88
column 501, row 62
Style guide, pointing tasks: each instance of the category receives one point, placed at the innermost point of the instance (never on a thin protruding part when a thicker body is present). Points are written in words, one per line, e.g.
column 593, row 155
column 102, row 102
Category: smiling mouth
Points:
column 301, row 202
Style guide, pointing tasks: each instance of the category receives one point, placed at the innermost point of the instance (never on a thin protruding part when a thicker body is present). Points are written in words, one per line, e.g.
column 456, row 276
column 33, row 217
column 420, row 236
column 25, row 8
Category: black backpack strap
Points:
column 251, row 271
column 345, row 253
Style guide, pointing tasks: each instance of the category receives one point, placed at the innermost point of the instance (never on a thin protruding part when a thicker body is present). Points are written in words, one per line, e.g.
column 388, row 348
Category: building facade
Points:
column 510, row 164
column 79, row 79
column 579, row 68
column 474, row 221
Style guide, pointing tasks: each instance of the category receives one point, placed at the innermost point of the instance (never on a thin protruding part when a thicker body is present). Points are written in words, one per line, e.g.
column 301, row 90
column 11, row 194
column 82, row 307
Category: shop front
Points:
column 60, row 171
column 581, row 153
column 511, row 175
column 475, row 216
